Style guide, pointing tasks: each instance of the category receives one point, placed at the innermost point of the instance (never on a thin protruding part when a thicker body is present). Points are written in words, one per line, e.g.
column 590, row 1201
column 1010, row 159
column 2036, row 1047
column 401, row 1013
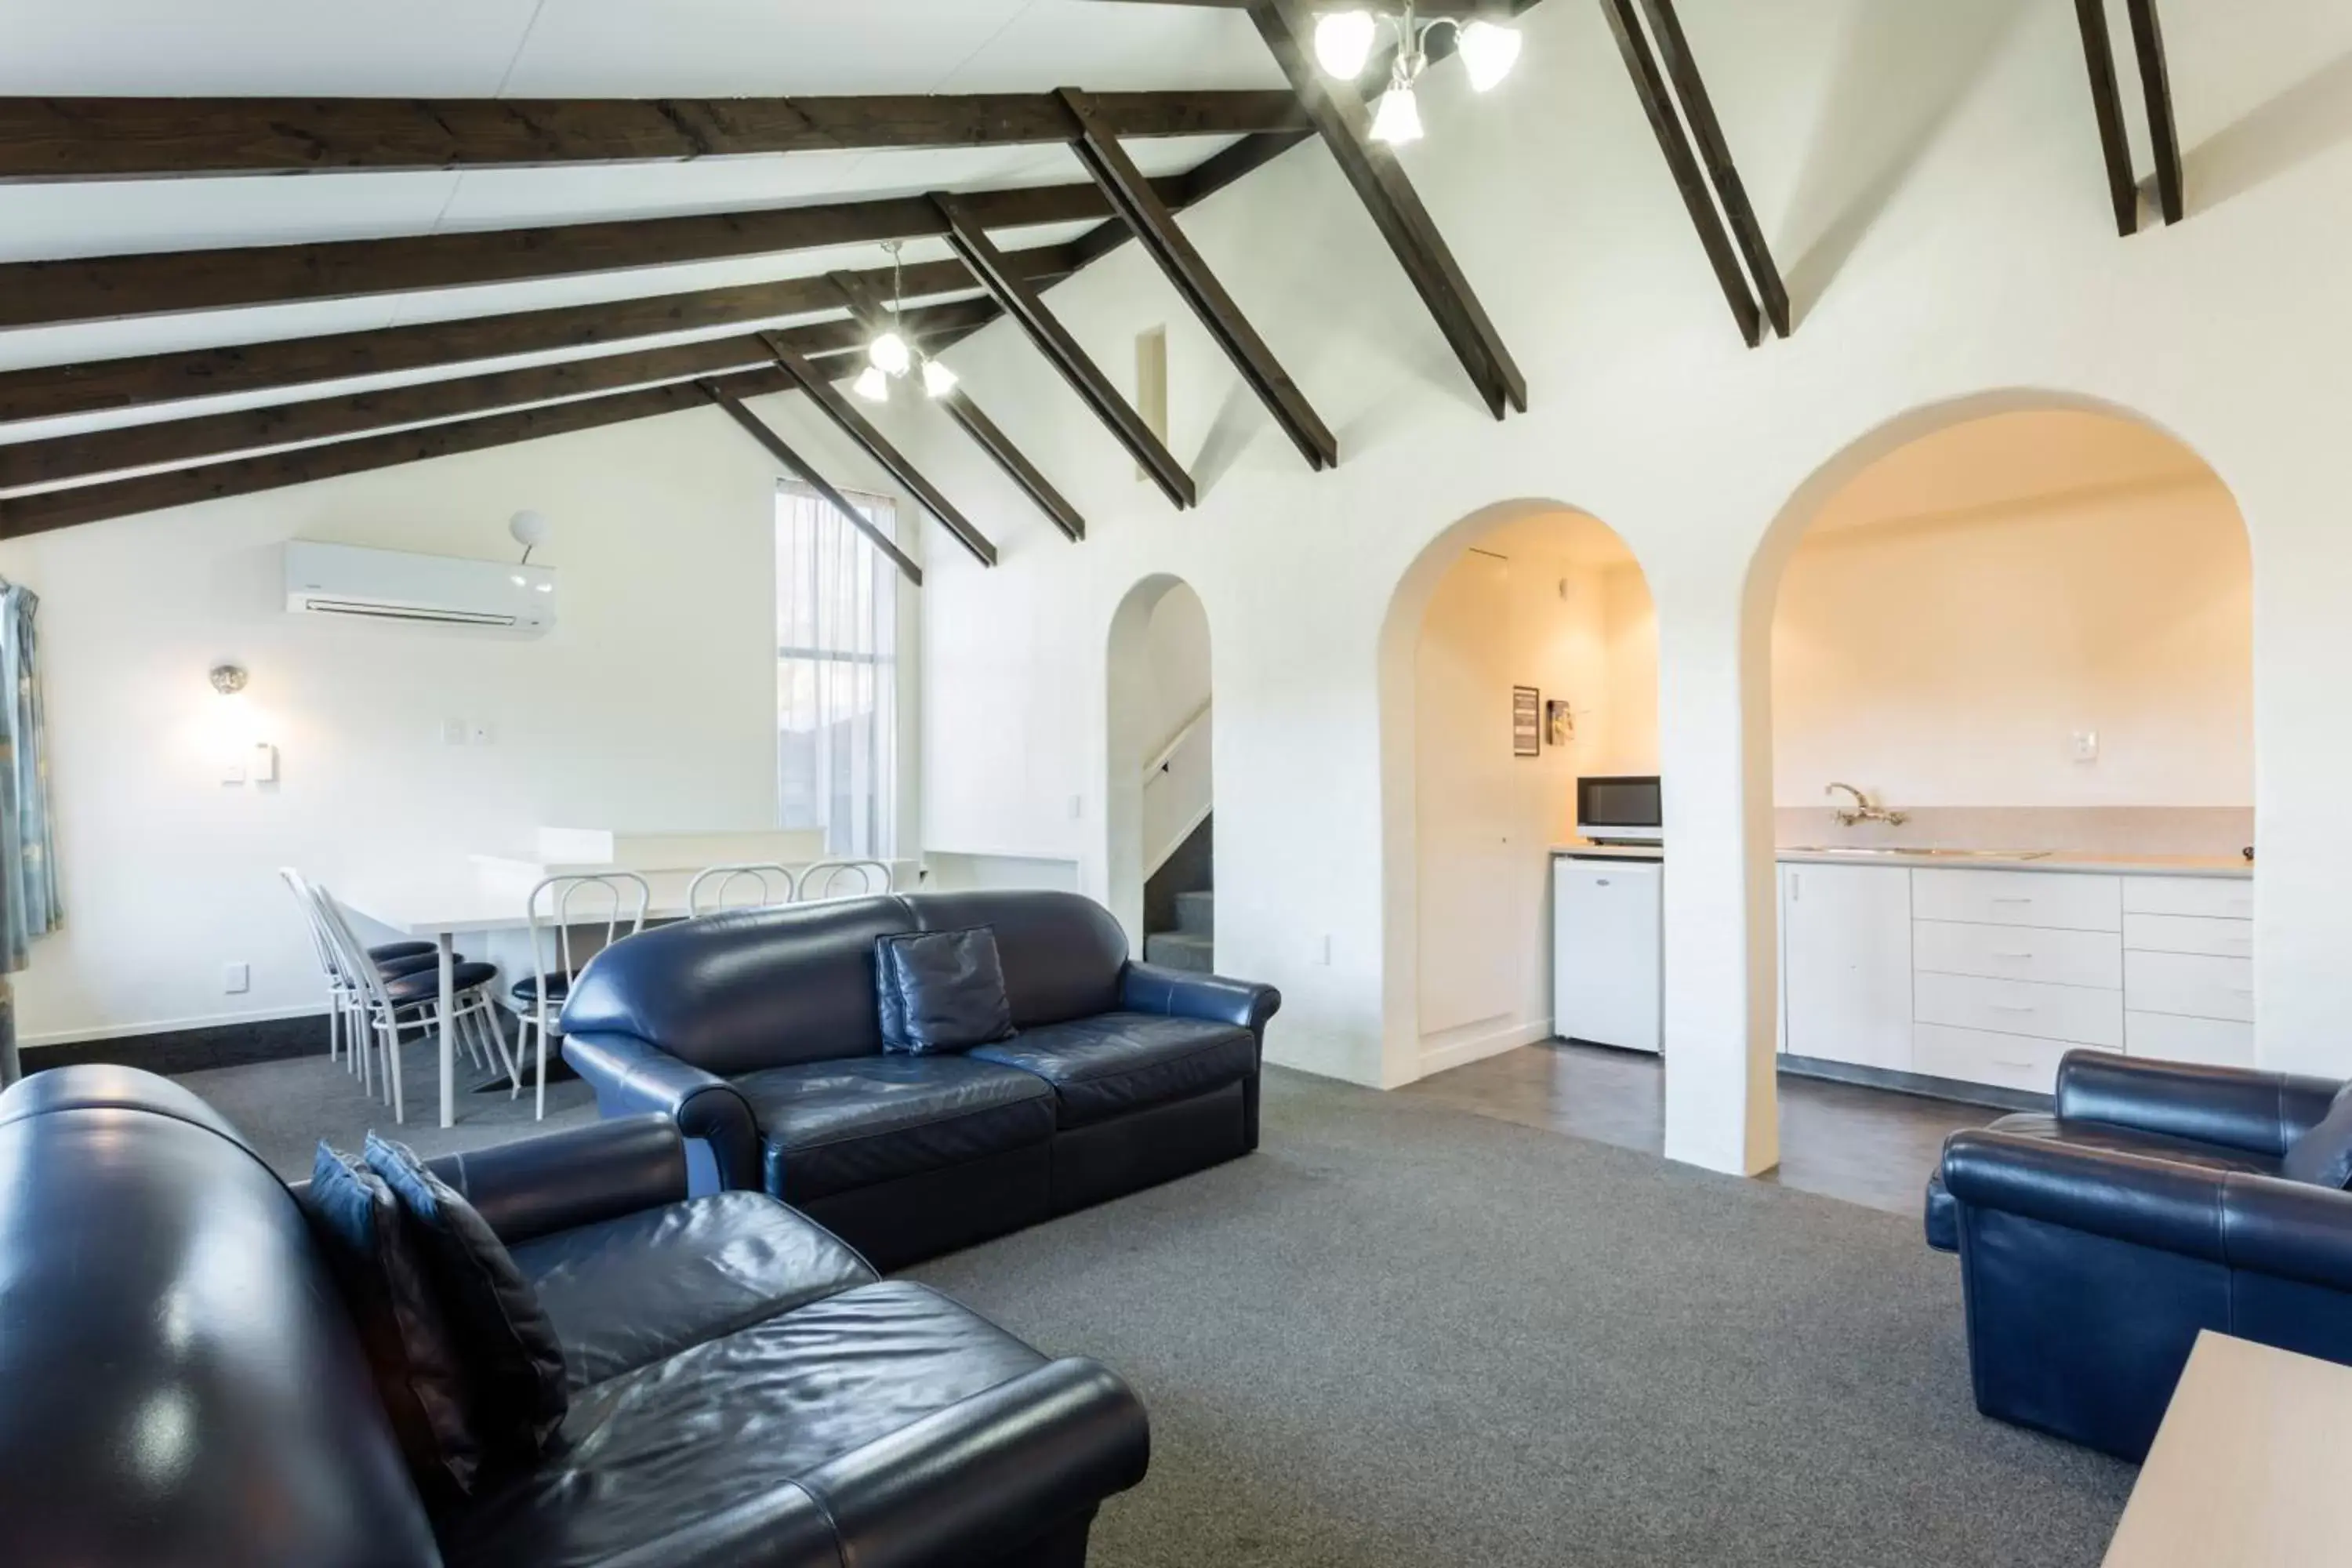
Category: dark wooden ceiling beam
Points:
column 1021, row 301
column 760, row 430
column 860, row 429
column 1155, row 227
column 2107, row 103
column 1715, row 152
column 98, row 385
column 865, row 310
column 1337, row 112
column 210, row 437
column 116, row 138
column 2156, row 89
column 46, row 510
column 1690, row 180
column 40, row 293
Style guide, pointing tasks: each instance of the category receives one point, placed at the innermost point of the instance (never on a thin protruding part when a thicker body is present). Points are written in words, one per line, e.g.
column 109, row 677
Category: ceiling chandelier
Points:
column 1343, row 46
column 890, row 356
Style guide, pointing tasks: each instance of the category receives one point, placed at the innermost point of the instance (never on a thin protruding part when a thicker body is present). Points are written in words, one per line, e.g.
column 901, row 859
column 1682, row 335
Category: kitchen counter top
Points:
column 2059, row 861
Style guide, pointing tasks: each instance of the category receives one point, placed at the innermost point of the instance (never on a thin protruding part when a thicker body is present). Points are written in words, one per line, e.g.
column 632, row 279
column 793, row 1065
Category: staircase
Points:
column 1193, row 945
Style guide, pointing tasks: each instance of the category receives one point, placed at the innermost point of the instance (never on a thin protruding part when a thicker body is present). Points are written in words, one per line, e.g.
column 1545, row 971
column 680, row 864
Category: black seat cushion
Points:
column 827, row 1127
column 941, row 991
column 424, row 985
column 514, row 1362
column 389, row 950
column 411, row 1349
column 401, row 964
column 719, row 1434
column 627, row 1292
column 2132, row 1140
column 558, row 984
column 1117, row 1062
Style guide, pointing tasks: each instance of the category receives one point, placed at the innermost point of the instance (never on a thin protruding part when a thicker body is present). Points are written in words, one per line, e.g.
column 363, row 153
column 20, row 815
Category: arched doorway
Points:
column 2024, row 623
column 1160, row 794
column 1531, row 601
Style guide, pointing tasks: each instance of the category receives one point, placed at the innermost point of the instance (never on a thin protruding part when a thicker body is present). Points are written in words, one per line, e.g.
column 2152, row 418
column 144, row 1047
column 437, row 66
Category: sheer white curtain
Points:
column 836, row 673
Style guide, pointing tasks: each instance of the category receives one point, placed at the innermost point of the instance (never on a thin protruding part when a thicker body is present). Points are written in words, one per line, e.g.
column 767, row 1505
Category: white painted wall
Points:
column 1948, row 660
column 1530, row 603
column 1929, row 179
column 651, row 707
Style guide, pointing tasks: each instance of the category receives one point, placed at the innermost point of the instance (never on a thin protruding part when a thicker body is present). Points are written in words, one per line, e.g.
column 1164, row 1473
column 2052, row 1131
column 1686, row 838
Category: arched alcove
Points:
column 2024, row 621
column 1519, row 592
column 1159, row 784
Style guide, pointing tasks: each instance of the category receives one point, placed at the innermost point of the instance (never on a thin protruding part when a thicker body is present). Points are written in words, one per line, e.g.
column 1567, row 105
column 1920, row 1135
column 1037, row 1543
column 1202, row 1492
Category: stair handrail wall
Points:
column 1158, row 766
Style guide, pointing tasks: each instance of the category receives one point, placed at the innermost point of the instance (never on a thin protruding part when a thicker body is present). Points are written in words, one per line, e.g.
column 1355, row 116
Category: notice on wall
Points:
column 1526, row 721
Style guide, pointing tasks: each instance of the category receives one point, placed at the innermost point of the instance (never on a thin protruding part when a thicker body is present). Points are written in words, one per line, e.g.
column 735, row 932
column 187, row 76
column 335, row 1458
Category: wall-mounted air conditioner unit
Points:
column 430, row 590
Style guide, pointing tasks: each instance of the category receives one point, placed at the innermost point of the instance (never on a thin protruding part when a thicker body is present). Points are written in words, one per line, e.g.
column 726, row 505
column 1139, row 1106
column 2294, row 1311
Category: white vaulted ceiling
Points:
column 538, row 48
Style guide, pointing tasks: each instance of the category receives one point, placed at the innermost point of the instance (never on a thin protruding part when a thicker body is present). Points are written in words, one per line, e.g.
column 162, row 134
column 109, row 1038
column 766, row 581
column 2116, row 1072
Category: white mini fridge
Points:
column 1608, row 933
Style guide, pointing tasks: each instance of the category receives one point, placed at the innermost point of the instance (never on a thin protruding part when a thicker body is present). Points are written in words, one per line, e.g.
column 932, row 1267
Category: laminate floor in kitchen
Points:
column 1869, row 1146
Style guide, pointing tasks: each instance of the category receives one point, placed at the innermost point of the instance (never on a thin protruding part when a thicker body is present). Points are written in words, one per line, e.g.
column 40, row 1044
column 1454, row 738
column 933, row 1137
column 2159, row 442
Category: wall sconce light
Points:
column 228, row 679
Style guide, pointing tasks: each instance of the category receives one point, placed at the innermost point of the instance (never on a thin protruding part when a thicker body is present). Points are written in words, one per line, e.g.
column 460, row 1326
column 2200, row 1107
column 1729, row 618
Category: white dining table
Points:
column 443, row 909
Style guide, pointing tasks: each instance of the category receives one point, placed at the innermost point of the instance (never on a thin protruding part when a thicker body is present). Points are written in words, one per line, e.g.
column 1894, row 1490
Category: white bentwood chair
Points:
column 712, row 888
column 383, row 1004
column 395, row 959
column 823, row 880
column 617, row 898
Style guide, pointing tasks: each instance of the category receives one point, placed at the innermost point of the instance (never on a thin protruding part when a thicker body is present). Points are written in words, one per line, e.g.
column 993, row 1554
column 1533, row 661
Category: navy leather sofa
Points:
column 180, row 1384
column 2095, row 1242
column 757, row 1030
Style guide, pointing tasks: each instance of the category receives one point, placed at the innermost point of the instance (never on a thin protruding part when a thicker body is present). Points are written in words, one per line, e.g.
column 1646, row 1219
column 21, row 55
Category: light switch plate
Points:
column 453, row 732
column 2086, row 748
column 264, row 767
column 236, row 978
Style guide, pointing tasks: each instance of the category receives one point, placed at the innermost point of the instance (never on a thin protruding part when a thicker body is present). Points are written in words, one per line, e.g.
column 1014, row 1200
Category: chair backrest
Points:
column 308, row 904
column 179, row 1380
column 346, row 953
column 709, row 890
column 823, row 880
column 745, row 989
column 615, row 899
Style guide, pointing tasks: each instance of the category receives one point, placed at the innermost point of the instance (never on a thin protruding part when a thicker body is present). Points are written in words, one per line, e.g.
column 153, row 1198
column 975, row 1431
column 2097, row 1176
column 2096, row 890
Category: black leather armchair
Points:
column 756, row 1030
column 179, row 1382
column 2097, row 1240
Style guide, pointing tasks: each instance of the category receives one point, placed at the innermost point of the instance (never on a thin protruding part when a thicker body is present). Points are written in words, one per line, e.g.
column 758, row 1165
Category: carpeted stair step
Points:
column 1180, row 949
column 1196, row 913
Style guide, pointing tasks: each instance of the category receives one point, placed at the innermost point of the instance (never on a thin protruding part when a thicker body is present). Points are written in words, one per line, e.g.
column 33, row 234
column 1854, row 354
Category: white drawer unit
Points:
column 2188, row 934
column 2220, row 897
column 2019, row 952
column 2212, row 1042
column 1979, row 1056
column 2077, row 1015
column 2059, row 901
column 2192, row 985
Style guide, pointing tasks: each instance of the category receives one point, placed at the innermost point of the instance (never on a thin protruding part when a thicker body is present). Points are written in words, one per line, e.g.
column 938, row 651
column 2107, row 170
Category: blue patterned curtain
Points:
column 28, row 876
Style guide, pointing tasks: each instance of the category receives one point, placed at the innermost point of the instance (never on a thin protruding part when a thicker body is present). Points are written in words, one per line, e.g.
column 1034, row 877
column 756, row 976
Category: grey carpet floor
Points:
column 1401, row 1334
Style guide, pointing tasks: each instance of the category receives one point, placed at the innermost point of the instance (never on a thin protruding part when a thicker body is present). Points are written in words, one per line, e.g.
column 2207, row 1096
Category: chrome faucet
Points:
column 1863, row 810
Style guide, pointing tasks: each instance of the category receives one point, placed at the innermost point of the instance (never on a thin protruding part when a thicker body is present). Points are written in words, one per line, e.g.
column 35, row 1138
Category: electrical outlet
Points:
column 233, row 770
column 236, row 978
column 482, row 733
column 2085, row 747
column 453, row 732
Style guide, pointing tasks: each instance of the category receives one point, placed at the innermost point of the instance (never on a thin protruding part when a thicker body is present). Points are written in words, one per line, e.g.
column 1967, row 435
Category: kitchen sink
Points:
column 1874, row 851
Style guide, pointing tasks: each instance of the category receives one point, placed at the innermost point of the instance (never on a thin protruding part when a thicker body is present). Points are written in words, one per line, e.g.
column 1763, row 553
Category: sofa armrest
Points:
column 987, row 1475
column 560, row 1181
column 2258, row 1223
column 632, row 1077
column 2261, row 1113
column 1182, row 993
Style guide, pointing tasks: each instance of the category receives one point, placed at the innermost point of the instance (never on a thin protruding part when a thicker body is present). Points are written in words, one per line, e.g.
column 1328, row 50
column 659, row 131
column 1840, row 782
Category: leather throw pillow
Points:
column 411, row 1349
column 941, row 991
column 513, row 1361
column 2323, row 1156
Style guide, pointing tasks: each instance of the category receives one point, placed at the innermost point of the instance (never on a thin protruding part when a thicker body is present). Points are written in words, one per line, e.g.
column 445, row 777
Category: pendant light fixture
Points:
column 890, row 357
column 1343, row 46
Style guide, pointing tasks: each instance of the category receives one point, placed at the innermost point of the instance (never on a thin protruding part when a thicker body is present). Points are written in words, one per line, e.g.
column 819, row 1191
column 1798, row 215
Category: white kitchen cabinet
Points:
column 1980, row 1056
column 2209, row 1042
column 2058, row 900
column 2073, row 1015
column 2019, row 953
column 1847, row 969
column 2220, row 897
column 2191, row 984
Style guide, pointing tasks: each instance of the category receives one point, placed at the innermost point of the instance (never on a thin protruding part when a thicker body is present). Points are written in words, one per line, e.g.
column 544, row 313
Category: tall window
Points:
column 836, row 673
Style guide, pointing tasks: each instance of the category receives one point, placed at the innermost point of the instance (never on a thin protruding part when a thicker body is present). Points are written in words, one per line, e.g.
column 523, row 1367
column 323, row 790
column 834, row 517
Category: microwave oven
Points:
column 1622, row 809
